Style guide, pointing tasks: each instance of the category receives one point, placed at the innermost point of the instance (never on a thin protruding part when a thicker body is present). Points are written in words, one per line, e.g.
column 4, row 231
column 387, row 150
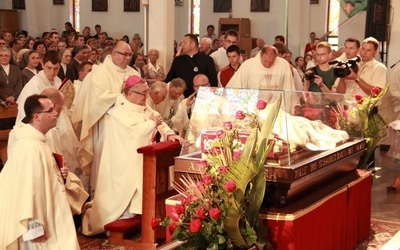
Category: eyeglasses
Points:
column 4, row 55
column 51, row 110
column 142, row 94
column 124, row 54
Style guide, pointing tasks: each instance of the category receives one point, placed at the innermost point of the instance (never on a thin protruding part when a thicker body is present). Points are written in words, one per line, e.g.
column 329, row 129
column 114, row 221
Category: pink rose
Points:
column 155, row 223
column 261, row 104
column 227, row 125
column 179, row 209
column 207, row 179
column 223, row 169
column 200, row 213
column 201, row 164
column 215, row 213
column 240, row 115
column 375, row 91
column 195, row 226
column 230, row 186
column 237, row 154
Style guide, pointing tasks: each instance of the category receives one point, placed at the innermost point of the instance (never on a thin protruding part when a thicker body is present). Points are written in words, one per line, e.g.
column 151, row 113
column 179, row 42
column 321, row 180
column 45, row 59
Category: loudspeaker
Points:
column 377, row 19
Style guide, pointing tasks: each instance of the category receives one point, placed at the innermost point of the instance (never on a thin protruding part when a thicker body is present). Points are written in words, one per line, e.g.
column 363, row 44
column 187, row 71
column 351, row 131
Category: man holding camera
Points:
column 321, row 77
column 371, row 73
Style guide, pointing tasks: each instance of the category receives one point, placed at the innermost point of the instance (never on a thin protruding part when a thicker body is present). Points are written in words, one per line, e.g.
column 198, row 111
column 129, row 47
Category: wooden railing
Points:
column 158, row 162
column 8, row 112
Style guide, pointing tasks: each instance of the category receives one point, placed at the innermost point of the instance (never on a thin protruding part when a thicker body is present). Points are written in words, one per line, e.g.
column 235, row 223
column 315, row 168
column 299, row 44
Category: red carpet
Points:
column 381, row 232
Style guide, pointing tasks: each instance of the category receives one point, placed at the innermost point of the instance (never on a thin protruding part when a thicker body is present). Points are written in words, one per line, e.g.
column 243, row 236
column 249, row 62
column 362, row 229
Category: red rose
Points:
column 375, row 91
column 358, row 97
column 207, row 179
column 215, row 213
column 237, row 154
column 195, row 226
column 179, row 209
column 172, row 227
column 200, row 213
column 227, row 125
column 155, row 223
column 261, row 104
column 230, row 186
column 240, row 115
column 201, row 163
column 223, row 170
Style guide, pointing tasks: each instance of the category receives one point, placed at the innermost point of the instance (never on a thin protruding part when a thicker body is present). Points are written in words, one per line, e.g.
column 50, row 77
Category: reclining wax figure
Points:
column 129, row 125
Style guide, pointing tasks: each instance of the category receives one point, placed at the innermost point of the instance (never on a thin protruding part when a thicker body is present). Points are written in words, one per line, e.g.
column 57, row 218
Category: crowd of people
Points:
column 122, row 99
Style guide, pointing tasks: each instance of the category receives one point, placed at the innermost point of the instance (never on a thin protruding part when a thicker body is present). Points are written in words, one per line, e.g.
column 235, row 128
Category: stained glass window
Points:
column 333, row 22
column 76, row 14
column 195, row 29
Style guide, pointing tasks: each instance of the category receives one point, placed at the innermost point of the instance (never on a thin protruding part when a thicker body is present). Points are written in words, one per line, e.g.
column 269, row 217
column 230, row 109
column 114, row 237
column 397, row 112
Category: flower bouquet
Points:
column 220, row 207
column 363, row 120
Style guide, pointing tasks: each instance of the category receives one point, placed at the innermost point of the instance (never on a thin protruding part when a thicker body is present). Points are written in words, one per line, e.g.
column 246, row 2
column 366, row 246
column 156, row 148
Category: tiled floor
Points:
column 385, row 206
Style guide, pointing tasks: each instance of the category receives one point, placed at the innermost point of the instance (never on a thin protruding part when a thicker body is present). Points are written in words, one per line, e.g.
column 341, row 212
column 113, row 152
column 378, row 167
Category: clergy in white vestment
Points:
column 265, row 71
column 173, row 92
column 62, row 140
column 129, row 125
column 34, row 210
column 44, row 79
column 98, row 93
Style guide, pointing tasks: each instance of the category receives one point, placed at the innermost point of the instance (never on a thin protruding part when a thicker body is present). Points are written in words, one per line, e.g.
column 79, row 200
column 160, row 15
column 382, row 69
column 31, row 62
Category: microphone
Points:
column 395, row 64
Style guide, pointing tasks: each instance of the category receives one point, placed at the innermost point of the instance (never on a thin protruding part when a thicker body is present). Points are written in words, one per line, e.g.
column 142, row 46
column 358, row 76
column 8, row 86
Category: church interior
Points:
column 317, row 193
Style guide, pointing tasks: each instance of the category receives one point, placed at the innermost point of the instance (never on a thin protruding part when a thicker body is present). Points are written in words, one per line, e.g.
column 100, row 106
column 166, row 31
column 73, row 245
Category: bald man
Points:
column 265, row 71
column 180, row 121
column 98, row 93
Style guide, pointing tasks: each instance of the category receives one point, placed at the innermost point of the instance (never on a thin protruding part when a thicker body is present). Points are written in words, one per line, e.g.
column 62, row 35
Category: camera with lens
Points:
column 310, row 74
column 342, row 68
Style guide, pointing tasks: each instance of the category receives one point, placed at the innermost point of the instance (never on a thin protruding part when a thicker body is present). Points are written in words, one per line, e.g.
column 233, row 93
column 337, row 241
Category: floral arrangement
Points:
column 220, row 207
column 363, row 120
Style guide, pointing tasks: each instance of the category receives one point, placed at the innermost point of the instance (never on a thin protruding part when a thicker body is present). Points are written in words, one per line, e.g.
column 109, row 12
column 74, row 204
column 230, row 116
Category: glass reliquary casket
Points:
column 316, row 137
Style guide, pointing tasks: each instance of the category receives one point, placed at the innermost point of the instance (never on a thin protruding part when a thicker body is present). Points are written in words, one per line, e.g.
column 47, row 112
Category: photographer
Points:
column 320, row 78
column 371, row 73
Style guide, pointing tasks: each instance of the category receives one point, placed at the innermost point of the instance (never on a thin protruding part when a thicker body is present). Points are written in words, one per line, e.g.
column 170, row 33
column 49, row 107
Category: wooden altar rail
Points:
column 157, row 161
column 10, row 111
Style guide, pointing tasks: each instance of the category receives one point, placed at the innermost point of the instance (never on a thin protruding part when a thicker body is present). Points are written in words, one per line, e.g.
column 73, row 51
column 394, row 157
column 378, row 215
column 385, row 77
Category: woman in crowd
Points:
column 66, row 70
column 32, row 59
column 299, row 61
column 137, row 63
column 10, row 78
column 29, row 42
column 153, row 71
column 40, row 47
column 94, row 56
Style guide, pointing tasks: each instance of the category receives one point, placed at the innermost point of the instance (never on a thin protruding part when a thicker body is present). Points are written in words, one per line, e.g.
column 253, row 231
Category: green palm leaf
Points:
column 249, row 176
